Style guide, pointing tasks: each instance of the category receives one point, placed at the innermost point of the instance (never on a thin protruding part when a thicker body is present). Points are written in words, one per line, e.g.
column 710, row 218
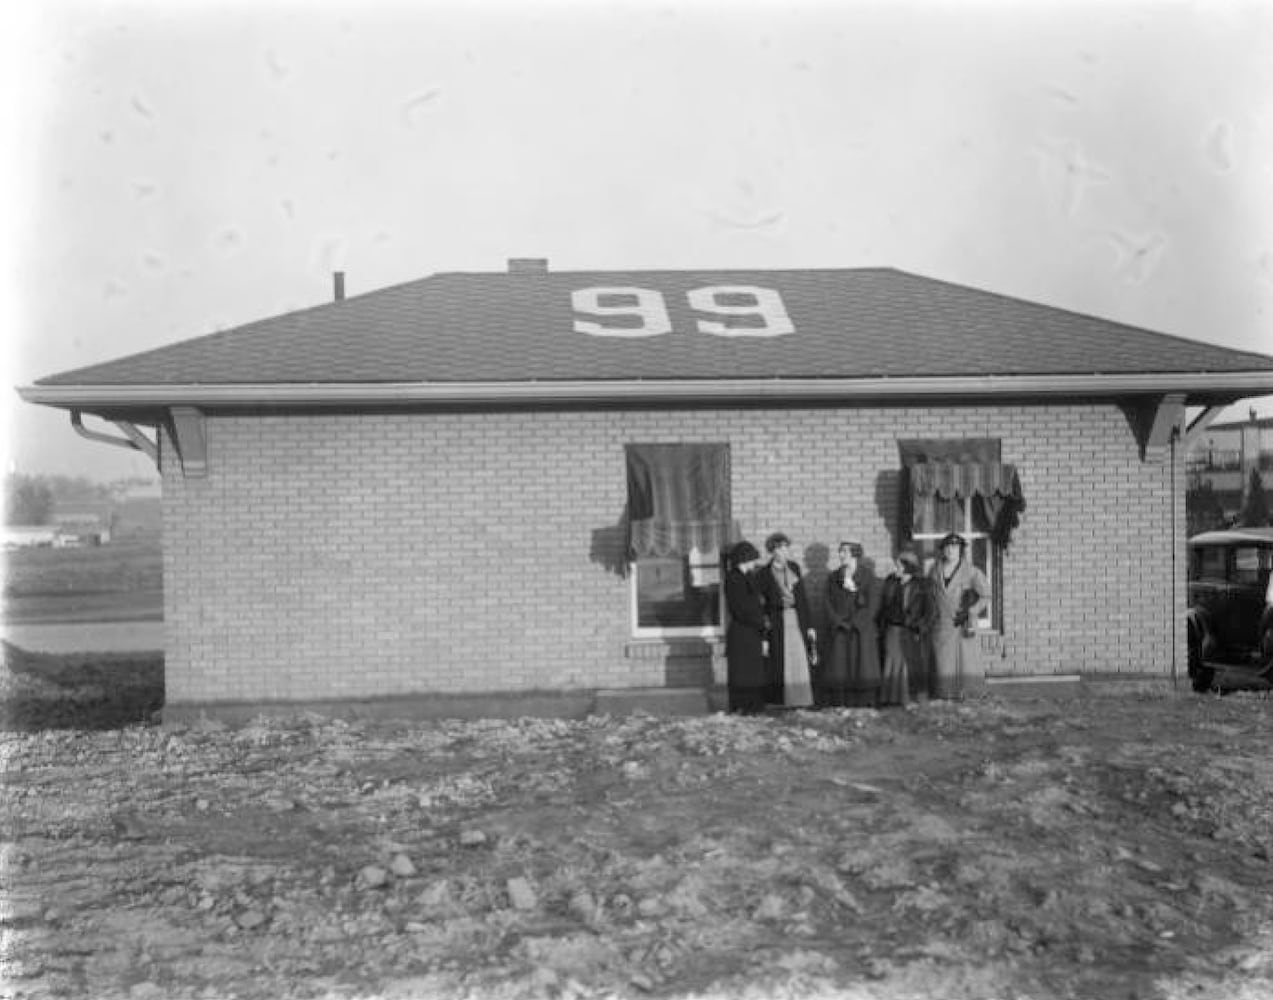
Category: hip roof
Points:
column 656, row 328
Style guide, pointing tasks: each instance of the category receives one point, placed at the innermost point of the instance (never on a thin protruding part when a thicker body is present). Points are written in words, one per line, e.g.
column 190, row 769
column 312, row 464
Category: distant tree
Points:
column 27, row 500
column 1255, row 508
column 74, row 489
column 1203, row 509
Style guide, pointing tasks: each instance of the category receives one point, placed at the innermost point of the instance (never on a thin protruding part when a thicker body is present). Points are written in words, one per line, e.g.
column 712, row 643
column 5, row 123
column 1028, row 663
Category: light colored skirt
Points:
column 797, row 689
column 956, row 661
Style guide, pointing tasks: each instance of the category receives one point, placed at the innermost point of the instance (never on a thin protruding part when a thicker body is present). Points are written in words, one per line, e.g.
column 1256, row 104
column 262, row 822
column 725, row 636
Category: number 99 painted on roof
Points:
column 736, row 311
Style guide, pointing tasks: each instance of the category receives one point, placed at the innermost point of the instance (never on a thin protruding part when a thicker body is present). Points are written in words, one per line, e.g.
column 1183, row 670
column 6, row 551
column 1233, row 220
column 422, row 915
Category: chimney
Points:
column 338, row 285
column 527, row 265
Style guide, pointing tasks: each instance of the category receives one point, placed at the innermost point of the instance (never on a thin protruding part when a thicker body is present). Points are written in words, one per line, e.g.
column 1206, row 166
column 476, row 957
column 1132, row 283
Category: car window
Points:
column 1246, row 565
column 1211, row 563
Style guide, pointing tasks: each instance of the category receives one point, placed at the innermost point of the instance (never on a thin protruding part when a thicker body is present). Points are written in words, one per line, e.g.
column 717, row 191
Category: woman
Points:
column 960, row 593
column 745, row 638
column 906, row 612
column 851, row 664
column 786, row 607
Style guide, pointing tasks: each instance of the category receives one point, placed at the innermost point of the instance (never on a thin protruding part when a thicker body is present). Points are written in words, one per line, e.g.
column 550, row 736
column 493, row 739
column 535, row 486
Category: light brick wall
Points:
column 331, row 556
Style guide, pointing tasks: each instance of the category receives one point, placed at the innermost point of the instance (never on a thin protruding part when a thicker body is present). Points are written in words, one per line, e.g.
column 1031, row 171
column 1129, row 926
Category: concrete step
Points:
column 1081, row 685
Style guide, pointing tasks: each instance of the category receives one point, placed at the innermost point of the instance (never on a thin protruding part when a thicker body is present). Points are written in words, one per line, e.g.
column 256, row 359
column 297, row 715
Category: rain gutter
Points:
column 698, row 390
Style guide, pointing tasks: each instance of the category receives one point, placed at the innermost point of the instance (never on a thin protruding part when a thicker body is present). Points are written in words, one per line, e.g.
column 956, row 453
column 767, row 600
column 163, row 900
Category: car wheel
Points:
column 1201, row 677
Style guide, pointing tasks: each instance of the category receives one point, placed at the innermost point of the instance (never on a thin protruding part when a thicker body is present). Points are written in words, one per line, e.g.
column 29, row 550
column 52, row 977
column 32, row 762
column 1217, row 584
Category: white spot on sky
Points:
column 416, row 106
column 1136, row 257
column 1062, row 97
column 762, row 221
column 1219, row 146
column 289, row 209
column 1265, row 267
column 228, row 240
column 1066, row 165
column 331, row 252
column 278, row 70
column 114, row 289
column 746, row 211
column 142, row 107
column 144, row 189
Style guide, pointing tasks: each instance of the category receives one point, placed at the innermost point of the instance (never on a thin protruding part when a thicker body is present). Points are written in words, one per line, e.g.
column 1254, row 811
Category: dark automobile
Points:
column 1230, row 618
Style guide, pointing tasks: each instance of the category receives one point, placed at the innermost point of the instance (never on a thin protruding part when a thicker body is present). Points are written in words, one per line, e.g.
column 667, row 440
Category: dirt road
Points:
column 80, row 637
column 1112, row 848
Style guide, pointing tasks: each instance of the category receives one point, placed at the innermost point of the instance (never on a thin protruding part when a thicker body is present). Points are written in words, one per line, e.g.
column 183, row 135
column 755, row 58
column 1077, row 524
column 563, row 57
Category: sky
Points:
column 175, row 168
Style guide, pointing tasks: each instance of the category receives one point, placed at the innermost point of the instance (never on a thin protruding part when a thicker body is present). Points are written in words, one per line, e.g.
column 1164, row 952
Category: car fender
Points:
column 1200, row 630
column 1266, row 635
column 1266, row 619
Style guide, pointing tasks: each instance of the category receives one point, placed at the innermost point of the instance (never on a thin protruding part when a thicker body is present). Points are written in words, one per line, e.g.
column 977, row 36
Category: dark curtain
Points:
column 678, row 499
column 992, row 488
column 940, row 472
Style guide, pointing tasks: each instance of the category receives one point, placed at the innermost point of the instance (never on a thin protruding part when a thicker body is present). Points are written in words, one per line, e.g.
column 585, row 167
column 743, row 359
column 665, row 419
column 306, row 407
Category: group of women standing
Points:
column 895, row 641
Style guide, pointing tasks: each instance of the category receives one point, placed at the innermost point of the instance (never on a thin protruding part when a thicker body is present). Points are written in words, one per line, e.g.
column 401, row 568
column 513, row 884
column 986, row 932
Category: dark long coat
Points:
column 911, row 608
column 917, row 647
column 748, row 628
column 911, row 604
column 771, row 596
column 851, row 662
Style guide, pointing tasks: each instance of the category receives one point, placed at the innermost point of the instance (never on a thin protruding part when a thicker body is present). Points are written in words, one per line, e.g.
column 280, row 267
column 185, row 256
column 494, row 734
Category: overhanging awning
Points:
column 993, row 489
column 949, row 480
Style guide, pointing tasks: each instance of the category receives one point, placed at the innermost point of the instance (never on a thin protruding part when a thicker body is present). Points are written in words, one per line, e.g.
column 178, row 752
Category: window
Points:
column 677, row 594
column 679, row 523
column 960, row 485
column 986, row 556
column 1250, row 564
column 1212, row 562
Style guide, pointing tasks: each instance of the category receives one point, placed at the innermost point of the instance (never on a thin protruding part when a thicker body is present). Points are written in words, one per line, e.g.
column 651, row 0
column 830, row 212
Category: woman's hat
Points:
column 909, row 559
column 955, row 539
column 743, row 552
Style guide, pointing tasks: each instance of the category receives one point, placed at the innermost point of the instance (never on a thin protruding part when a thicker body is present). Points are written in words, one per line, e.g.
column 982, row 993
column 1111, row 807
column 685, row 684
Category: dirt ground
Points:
column 1113, row 847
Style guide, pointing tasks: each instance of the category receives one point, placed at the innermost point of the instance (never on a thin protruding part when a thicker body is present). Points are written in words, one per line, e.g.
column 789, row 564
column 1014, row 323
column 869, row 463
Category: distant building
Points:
column 27, row 536
column 1222, row 457
column 69, row 528
column 84, row 522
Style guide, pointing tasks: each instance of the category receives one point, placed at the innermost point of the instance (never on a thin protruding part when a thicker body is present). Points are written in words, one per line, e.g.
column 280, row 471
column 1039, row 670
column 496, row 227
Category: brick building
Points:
column 508, row 491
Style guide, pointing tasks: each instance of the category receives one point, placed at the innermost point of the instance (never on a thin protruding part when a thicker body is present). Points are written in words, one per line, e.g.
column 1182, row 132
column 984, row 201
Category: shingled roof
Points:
column 860, row 326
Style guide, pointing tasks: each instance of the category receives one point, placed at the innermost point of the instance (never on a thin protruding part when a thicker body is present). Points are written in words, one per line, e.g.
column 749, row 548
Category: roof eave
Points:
column 609, row 391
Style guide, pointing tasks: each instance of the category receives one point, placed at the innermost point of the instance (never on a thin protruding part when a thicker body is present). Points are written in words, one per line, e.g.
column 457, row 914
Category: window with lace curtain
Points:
column 678, row 526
